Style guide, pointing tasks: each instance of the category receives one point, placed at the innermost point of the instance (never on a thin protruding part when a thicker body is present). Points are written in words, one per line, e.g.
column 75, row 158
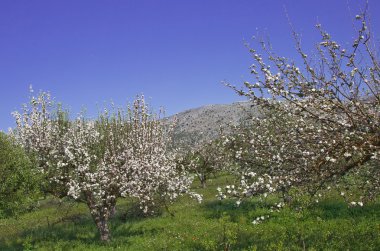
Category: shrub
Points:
column 19, row 182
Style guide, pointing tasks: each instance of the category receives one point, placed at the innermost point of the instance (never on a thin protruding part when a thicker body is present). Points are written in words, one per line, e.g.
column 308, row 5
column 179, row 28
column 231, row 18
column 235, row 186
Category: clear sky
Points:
column 176, row 53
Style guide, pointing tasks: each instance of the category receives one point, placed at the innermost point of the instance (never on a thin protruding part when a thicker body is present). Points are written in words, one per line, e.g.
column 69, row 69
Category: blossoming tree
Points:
column 122, row 153
column 321, row 123
column 204, row 160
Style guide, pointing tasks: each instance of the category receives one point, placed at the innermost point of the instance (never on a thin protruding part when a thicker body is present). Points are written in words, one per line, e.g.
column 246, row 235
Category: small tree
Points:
column 122, row 153
column 321, row 123
column 19, row 186
column 204, row 160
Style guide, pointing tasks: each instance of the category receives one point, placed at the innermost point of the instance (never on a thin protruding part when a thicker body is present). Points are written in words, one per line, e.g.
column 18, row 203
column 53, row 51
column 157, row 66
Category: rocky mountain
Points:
column 205, row 123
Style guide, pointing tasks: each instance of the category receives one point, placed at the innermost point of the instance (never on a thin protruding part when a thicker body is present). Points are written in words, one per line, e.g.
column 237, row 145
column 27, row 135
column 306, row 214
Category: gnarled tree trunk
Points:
column 102, row 225
column 100, row 214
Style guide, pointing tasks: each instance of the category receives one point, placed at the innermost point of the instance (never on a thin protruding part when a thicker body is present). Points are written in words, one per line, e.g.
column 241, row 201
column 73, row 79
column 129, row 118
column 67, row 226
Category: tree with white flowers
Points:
column 121, row 153
column 204, row 160
column 321, row 121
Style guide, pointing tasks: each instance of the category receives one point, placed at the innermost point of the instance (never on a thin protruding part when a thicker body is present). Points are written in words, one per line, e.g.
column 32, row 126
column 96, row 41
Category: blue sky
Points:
column 177, row 53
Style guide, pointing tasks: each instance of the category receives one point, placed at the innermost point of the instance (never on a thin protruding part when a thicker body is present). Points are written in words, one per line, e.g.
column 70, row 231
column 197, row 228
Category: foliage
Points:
column 19, row 184
column 122, row 153
column 320, row 124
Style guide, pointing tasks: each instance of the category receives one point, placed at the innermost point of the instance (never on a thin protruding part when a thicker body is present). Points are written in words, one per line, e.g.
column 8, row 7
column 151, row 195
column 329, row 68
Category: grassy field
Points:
column 212, row 225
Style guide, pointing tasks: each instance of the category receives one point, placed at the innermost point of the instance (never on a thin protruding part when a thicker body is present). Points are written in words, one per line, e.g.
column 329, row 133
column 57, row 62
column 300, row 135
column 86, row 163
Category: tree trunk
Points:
column 202, row 179
column 113, row 211
column 100, row 215
column 102, row 225
column 203, row 182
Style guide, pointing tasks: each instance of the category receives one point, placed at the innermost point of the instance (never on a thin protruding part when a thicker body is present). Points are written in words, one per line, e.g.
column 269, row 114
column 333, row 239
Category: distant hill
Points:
column 205, row 123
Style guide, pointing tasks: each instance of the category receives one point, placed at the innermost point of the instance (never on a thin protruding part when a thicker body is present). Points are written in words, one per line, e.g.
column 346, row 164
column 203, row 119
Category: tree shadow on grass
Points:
column 327, row 209
column 331, row 209
column 79, row 229
column 329, row 221
column 218, row 208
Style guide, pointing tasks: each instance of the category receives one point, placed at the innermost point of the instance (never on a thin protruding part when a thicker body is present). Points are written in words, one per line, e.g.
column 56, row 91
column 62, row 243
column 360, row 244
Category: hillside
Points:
column 205, row 123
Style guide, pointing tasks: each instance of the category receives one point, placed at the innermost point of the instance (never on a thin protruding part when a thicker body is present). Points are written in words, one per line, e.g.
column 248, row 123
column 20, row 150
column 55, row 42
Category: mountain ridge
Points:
column 201, row 124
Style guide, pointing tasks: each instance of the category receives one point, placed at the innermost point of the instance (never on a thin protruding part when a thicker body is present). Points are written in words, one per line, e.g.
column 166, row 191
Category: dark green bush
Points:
column 19, row 181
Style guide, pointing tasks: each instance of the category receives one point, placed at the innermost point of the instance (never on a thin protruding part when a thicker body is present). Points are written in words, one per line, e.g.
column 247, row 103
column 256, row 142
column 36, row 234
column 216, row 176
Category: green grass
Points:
column 212, row 225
